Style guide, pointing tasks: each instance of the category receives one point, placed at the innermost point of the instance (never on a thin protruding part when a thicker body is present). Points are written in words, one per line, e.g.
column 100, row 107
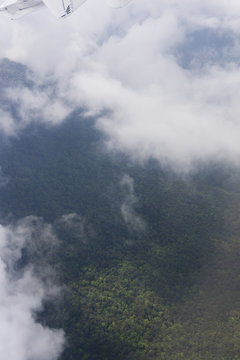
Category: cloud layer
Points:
column 21, row 295
column 167, row 71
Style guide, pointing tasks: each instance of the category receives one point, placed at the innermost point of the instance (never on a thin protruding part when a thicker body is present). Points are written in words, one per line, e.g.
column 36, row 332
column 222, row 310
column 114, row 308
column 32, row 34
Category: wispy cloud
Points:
column 75, row 226
column 134, row 221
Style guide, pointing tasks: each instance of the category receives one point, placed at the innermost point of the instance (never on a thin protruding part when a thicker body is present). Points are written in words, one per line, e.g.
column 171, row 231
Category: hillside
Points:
column 149, row 258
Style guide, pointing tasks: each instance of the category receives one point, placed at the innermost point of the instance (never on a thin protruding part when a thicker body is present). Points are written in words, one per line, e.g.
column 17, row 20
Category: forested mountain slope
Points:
column 149, row 259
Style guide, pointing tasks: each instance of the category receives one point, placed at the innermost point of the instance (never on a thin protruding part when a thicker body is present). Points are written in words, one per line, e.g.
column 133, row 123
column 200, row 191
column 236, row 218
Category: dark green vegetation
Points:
column 150, row 260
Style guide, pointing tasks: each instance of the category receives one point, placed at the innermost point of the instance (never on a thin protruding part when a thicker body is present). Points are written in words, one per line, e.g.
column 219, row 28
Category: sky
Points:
column 161, row 78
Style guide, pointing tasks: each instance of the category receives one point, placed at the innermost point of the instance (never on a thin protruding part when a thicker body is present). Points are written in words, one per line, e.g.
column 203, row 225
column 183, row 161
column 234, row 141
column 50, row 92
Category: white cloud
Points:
column 7, row 123
column 131, row 62
column 130, row 216
column 21, row 295
column 36, row 104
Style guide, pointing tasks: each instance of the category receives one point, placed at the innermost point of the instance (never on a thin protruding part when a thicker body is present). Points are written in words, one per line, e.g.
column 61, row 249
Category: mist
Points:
column 134, row 221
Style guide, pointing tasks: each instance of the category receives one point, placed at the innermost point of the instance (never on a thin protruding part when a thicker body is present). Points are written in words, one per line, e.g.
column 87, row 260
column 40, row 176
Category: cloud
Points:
column 24, row 99
column 37, row 105
column 168, row 72
column 7, row 123
column 21, row 295
column 132, row 219
column 75, row 226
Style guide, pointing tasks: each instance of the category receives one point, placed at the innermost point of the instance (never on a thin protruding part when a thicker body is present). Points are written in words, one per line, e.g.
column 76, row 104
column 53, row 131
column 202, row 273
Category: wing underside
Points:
column 62, row 8
column 18, row 8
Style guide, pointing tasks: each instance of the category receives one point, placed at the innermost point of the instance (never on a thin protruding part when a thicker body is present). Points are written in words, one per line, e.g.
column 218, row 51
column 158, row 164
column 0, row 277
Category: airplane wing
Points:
column 62, row 8
column 18, row 8
column 8, row 2
column 23, row 12
column 117, row 3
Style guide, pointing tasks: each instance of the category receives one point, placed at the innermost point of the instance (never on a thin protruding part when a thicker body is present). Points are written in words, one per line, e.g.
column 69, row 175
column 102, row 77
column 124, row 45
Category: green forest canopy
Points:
column 167, row 291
